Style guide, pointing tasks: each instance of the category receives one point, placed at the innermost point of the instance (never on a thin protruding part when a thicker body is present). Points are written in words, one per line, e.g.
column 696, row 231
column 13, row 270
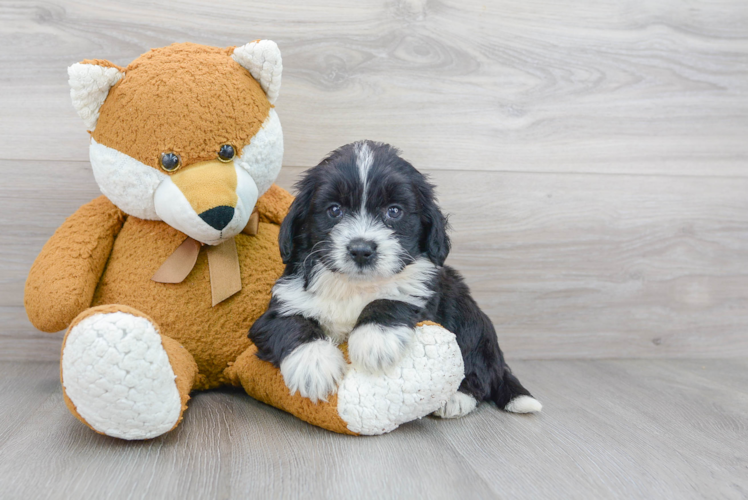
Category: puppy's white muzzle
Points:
column 367, row 228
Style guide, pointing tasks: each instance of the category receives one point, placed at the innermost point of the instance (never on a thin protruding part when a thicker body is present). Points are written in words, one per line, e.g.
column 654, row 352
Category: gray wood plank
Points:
column 20, row 341
column 647, row 87
column 566, row 265
column 620, row 429
column 610, row 429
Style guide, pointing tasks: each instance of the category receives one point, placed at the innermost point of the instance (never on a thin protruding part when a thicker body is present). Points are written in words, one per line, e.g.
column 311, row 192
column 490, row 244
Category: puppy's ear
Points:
column 435, row 241
column 290, row 230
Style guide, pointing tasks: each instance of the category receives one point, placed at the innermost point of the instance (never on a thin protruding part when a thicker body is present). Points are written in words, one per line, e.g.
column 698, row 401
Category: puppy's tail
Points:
column 510, row 395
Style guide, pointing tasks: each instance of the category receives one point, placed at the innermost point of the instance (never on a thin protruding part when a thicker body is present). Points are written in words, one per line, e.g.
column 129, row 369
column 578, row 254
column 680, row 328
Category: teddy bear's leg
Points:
column 121, row 377
column 264, row 382
column 365, row 403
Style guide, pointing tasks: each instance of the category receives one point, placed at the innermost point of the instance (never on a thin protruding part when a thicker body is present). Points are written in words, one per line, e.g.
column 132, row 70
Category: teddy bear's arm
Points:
column 274, row 204
column 64, row 276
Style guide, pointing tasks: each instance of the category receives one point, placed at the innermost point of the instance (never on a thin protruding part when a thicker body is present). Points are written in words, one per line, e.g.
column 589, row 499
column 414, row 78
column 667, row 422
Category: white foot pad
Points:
column 459, row 405
column 118, row 375
column 524, row 404
column 421, row 382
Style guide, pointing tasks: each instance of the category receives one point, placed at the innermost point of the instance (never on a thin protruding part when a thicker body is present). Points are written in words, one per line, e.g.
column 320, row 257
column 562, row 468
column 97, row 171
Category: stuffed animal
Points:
column 159, row 280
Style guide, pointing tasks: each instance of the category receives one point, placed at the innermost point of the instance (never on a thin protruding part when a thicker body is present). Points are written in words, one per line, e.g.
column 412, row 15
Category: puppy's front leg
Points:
column 309, row 363
column 382, row 334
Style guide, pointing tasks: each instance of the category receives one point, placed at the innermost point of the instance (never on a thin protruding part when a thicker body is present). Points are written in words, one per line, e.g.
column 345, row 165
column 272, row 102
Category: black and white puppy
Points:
column 364, row 245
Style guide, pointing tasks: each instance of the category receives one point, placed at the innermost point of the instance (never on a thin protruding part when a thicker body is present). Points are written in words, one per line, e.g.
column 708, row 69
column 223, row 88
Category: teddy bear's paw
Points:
column 458, row 405
column 376, row 348
column 314, row 369
column 118, row 375
column 428, row 374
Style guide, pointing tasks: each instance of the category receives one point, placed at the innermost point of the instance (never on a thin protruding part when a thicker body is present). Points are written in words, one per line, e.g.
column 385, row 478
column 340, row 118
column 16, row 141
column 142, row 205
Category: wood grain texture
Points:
column 610, row 429
column 567, row 266
column 624, row 87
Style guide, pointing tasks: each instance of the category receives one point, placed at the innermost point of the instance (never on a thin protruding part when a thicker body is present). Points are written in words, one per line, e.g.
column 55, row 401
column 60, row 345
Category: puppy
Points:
column 364, row 245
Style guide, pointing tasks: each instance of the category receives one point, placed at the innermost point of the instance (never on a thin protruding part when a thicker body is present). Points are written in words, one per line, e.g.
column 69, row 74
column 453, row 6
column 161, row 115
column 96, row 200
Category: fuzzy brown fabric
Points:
column 213, row 335
column 211, row 101
column 64, row 276
column 184, row 367
column 264, row 382
column 70, row 275
column 273, row 205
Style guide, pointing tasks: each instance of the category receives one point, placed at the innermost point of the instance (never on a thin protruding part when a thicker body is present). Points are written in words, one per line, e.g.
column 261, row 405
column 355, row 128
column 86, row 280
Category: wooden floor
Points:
column 610, row 429
column 593, row 156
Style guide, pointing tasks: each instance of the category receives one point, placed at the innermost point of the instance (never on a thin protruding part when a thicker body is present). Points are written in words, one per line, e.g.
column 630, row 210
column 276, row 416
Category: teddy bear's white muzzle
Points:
column 211, row 225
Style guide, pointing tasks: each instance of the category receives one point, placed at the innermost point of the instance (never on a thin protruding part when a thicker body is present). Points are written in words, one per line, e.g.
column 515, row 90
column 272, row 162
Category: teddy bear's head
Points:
column 186, row 134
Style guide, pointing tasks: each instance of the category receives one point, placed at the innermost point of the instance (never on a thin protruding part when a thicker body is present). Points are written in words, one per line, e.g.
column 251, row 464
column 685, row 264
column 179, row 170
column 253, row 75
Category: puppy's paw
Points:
column 314, row 370
column 524, row 404
column 458, row 405
column 376, row 348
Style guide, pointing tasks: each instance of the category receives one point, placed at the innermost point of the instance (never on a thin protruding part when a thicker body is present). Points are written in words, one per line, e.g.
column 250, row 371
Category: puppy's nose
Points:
column 218, row 217
column 362, row 251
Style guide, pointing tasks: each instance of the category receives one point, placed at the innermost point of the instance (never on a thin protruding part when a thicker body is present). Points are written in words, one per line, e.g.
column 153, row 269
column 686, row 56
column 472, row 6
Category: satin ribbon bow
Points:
column 223, row 263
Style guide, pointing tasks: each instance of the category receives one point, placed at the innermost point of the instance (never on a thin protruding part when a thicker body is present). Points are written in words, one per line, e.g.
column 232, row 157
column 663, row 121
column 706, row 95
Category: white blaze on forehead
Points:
column 364, row 160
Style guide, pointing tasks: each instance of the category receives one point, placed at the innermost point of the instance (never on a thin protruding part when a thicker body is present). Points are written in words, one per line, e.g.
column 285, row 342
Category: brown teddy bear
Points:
column 159, row 279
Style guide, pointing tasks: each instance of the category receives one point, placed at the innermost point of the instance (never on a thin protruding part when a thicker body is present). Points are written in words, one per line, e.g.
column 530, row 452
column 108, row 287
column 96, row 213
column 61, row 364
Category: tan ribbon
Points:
column 223, row 263
column 225, row 277
column 253, row 225
column 179, row 264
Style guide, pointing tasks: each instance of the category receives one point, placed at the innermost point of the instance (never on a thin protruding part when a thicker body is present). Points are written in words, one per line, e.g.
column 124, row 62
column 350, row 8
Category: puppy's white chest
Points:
column 338, row 315
column 337, row 301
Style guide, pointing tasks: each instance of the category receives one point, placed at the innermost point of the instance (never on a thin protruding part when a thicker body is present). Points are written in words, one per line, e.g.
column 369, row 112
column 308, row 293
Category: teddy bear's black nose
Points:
column 218, row 217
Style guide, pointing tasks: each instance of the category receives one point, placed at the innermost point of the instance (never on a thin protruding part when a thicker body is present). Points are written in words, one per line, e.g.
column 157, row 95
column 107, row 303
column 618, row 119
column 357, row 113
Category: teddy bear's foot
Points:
column 428, row 374
column 420, row 383
column 120, row 376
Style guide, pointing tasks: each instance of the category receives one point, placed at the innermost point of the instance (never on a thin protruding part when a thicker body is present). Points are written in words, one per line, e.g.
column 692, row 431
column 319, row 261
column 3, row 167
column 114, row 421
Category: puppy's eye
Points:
column 226, row 153
column 170, row 161
column 335, row 211
column 394, row 212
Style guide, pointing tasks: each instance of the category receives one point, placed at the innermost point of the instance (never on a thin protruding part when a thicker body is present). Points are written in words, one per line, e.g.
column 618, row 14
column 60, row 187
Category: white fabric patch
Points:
column 127, row 183
column 336, row 300
column 524, row 404
column 89, row 87
column 263, row 156
column 314, row 369
column 426, row 377
column 459, row 405
column 118, row 375
column 375, row 348
column 263, row 61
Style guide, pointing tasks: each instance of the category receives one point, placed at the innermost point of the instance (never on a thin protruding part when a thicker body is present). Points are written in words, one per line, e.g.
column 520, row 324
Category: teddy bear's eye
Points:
column 226, row 153
column 170, row 161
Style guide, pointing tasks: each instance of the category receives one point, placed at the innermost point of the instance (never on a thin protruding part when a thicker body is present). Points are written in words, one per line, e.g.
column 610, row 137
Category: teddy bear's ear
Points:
column 263, row 61
column 89, row 86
